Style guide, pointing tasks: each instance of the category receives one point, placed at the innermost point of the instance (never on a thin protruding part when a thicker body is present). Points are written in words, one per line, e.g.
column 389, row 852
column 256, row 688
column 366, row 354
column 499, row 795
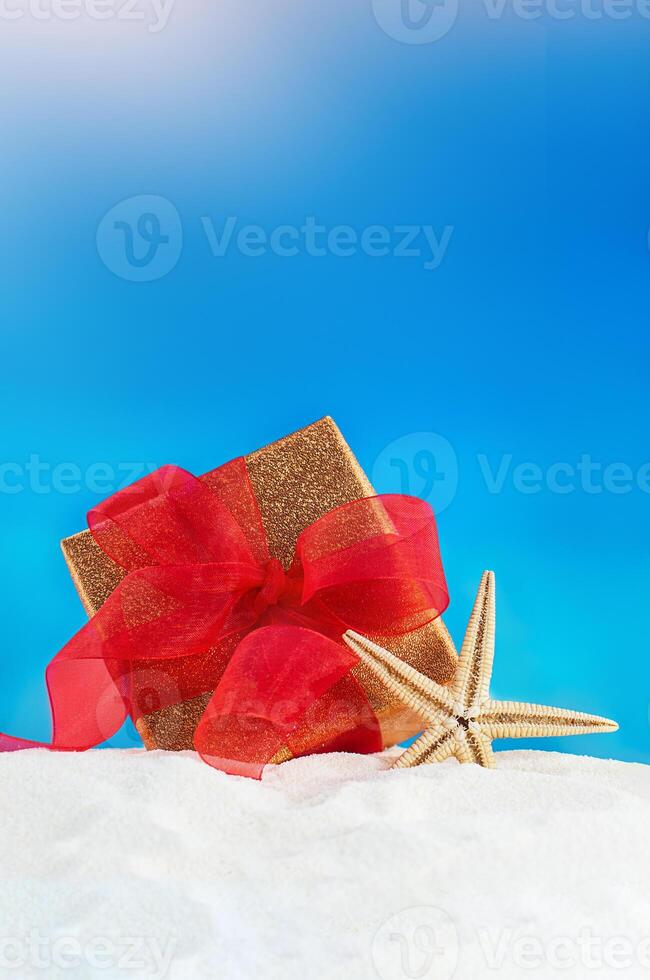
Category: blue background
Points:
column 529, row 137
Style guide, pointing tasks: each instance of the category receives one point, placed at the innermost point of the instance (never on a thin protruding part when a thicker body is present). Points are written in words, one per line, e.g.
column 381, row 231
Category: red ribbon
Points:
column 205, row 608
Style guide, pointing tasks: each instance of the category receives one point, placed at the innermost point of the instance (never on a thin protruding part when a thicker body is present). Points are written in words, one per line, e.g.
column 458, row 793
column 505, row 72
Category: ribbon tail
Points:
column 9, row 743
column 87, row 700
column 285, row 686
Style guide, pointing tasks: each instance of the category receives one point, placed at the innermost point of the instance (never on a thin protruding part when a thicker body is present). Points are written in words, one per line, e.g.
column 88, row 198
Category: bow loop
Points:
column 171, row 518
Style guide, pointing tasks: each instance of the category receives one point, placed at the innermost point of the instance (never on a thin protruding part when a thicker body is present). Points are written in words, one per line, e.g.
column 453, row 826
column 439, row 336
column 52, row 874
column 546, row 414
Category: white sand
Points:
column 127, row 864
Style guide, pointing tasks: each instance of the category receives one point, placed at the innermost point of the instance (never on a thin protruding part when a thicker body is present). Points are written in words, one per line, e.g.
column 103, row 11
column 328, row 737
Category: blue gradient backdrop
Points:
column 530, row 340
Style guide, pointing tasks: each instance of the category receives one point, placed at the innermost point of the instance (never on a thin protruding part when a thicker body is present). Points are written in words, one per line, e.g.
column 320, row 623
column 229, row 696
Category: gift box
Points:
column 296, row 480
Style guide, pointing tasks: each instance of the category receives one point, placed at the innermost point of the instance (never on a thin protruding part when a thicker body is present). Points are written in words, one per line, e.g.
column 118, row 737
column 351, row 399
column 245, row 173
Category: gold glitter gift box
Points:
column 296, row 480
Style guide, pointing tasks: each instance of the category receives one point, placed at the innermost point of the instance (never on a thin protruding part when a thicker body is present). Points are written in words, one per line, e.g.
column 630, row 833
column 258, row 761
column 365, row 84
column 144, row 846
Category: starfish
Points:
column 462, row 719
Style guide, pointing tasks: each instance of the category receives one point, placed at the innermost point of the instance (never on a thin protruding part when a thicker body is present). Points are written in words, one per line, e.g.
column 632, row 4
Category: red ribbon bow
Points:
column 204, row 608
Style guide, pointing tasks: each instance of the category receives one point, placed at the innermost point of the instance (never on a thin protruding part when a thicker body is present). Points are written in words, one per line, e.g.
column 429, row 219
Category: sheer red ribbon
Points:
column 205, row 608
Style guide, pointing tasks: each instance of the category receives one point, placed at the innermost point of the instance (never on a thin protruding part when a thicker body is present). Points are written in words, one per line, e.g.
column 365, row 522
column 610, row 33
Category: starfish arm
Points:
column 434, row 745
column 512, row 719
column 418, row 692
column 472, row 684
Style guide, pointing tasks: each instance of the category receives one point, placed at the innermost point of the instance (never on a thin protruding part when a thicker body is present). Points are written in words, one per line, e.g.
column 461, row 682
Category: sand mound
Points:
column 128, row 864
